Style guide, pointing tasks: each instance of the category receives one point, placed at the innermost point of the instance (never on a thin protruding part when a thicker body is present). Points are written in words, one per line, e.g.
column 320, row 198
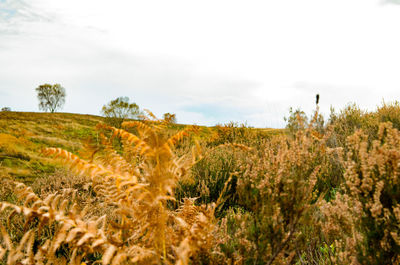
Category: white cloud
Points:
column 393, row 2
column 209, row 61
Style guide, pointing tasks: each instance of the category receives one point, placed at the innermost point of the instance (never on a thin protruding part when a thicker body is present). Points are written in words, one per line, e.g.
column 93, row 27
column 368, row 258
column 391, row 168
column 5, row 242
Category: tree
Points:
column 297, row 120
column 6, row 109
column 51, row 97
column 169, row 117
column 119, row 109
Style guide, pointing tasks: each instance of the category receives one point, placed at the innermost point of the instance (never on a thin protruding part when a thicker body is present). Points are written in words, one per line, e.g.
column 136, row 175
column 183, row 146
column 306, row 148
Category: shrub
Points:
column 389, row 112
column 347, row 121
column 366, row 216
column 276, row 194
column 296, row 121
column 234, row 133
column 169, row 117
column 209, row 176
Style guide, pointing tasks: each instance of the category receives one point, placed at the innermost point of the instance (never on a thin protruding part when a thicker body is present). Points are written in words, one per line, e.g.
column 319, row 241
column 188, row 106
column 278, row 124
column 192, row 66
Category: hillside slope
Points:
column 24, row 134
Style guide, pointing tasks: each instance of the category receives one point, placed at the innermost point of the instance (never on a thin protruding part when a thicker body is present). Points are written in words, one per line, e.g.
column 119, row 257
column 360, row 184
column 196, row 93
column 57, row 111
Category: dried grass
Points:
column 146, row 194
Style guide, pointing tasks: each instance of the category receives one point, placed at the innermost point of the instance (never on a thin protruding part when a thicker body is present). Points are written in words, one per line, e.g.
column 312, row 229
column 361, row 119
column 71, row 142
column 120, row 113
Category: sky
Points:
column 209, row 61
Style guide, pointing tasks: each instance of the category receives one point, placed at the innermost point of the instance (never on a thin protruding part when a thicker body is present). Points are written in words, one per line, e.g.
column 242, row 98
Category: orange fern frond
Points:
column 173, row 140
column 151, row 115
column 132, row 139
column 109, row 158
column 83, row 167
column 136, row 124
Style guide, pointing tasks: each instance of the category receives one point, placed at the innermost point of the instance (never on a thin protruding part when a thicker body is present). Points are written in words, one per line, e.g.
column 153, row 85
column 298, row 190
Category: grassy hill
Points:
column 24, row 134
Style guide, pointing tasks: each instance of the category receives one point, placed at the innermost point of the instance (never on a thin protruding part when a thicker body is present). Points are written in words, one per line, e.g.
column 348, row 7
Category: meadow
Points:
column 76, row 190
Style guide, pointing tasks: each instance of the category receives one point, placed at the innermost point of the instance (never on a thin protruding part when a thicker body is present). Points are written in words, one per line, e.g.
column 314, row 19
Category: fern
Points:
column 136, row 183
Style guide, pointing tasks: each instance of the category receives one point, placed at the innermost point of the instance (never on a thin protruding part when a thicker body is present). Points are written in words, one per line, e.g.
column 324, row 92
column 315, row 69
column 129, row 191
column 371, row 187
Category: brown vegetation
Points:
column 324, row 193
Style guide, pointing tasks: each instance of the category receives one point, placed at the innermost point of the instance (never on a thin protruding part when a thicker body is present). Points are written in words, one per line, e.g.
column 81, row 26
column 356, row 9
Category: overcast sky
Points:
column 208, row 61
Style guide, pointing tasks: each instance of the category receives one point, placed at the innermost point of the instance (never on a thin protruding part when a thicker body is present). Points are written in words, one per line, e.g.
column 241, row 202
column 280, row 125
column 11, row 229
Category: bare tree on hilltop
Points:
column 51, row 97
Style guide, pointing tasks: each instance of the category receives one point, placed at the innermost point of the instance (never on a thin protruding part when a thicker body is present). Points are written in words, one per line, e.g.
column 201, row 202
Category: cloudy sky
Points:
column 208, row 61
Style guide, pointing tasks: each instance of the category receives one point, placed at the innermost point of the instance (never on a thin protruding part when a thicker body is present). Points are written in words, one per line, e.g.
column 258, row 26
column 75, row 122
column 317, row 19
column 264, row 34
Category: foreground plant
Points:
column 137, row 184
column 277, row 196
column 364, row 220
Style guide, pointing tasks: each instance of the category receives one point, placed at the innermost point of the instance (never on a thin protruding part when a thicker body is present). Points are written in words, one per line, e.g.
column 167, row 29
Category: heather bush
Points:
column 209, row 176
column 223, row 154
column 277, row 192
column 229, row 133
column 233, row 133
column 352, row 118
column 389, row 112
column 363, row 220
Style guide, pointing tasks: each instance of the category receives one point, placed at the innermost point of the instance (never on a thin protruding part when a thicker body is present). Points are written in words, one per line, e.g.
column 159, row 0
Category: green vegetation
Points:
column 119, row 110
column 23, row 135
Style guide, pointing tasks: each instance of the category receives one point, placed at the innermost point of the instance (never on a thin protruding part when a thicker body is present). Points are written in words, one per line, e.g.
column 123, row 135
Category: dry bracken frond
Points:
column 142, row 228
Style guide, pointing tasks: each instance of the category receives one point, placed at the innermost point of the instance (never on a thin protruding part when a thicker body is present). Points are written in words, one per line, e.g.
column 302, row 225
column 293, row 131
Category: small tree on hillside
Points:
column 297, row 120
column 51, row 97
column 170, row 117
column 6, row 109
column 118, row 110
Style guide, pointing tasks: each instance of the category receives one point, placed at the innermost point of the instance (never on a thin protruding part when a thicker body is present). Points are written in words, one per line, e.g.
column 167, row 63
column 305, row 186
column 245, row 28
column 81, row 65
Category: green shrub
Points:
column 209, row 175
